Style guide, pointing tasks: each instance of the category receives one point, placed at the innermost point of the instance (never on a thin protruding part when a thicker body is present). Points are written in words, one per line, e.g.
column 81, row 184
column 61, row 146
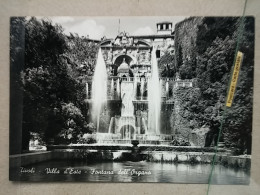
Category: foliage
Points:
column 53, row 101
column 186, row 33
column 166, row 65
column 216, row 40
column 88, row 140
column 38, row 137
column 238, row 131
column 179, row 142
column 187, row 106
column 73, row 122
column 81, row 56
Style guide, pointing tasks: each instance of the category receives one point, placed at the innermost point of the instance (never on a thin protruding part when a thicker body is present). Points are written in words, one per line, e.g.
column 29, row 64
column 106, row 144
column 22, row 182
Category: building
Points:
column 128, row 61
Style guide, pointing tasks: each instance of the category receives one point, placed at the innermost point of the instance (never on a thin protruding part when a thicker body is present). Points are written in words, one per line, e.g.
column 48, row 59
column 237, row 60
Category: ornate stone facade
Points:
column 128, row 62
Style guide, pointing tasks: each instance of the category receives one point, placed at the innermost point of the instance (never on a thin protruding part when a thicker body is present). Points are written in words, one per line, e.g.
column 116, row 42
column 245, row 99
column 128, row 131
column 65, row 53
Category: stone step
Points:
column 221, row 144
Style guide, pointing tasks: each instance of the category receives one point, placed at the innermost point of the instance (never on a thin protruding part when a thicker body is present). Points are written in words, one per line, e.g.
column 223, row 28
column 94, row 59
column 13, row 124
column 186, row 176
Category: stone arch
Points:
column 106, row 42
column 128, row 121
column 118, row 59
column 127, row 131
column 143, row 42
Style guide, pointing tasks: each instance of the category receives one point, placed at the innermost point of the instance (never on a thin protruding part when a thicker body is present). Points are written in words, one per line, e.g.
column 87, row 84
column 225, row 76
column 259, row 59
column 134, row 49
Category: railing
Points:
column 115, row 141
column 172, row 84
column 141, row 98
column 182, row 84
column 128, row 79
column 138, row 79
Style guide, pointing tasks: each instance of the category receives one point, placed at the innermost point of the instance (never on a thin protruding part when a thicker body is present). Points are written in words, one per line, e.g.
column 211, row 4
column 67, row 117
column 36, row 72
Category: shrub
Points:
column 88, row 140
column 180, row 142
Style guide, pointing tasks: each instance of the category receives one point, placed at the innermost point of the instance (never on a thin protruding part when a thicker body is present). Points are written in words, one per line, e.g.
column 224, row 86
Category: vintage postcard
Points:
column 131, row 99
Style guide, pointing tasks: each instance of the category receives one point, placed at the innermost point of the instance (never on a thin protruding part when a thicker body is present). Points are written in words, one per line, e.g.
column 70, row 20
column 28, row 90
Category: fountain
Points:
column 86, row 90
column 142, row 88
column 154, row 99
column 135, row 87
column 99, row 88
column 112, row 88
column 111, row 124
column 167, row 89
column 118, row 88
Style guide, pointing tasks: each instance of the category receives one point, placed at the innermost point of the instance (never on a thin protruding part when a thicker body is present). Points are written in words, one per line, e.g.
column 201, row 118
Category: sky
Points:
column 97, row 27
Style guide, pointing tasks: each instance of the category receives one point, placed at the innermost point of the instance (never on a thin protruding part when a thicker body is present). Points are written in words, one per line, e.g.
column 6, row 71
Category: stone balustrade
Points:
column 114, row 87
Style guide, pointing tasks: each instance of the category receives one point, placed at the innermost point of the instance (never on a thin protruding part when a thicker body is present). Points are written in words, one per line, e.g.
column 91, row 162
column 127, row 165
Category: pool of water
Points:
column 128, row 172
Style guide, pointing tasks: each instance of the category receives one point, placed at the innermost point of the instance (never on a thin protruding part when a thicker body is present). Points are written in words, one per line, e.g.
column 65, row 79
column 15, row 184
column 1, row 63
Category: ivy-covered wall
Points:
column 182, row 118
column 186, row 33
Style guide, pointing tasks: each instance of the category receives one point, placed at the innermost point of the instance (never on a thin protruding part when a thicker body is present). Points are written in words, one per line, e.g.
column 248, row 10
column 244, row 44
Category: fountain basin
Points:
column 138, row 152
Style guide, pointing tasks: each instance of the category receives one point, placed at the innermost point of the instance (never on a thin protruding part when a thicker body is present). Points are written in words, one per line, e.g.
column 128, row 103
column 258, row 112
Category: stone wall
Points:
column 199, row 157
column 167, row 154
column 19, row 160
column 186, row 33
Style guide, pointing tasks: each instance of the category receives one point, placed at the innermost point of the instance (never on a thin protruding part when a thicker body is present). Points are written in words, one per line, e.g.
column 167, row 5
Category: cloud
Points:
column 62, row 20
column 86, row 28
column 144, row 31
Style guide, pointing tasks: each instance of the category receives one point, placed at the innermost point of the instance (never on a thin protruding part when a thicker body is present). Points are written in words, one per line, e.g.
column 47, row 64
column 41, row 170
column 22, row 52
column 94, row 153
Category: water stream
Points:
column 154, row 98
column 99, row 88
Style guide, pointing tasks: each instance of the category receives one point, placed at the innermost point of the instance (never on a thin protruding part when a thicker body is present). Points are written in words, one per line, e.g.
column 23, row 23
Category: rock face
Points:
column 198, row 136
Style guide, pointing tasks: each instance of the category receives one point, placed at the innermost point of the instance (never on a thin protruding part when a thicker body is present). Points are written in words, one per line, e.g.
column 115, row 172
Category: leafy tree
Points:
column 81, row 55
column 166, row 65
column 215, row 50
column 48, row 80
column 72, row 123
column 238, row 126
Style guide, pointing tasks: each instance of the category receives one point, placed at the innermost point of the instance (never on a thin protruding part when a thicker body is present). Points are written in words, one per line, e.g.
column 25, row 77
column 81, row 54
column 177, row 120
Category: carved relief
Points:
column 148, row 57
column 110, row 56
column 144, row 57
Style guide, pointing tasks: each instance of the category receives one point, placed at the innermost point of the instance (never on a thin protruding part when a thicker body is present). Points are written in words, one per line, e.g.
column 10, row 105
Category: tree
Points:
column 48, row 81
column 216, row 40
column 238, row 129
column 81, row 56
column 72, row 123
column 166, row 65
column 214, row 69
